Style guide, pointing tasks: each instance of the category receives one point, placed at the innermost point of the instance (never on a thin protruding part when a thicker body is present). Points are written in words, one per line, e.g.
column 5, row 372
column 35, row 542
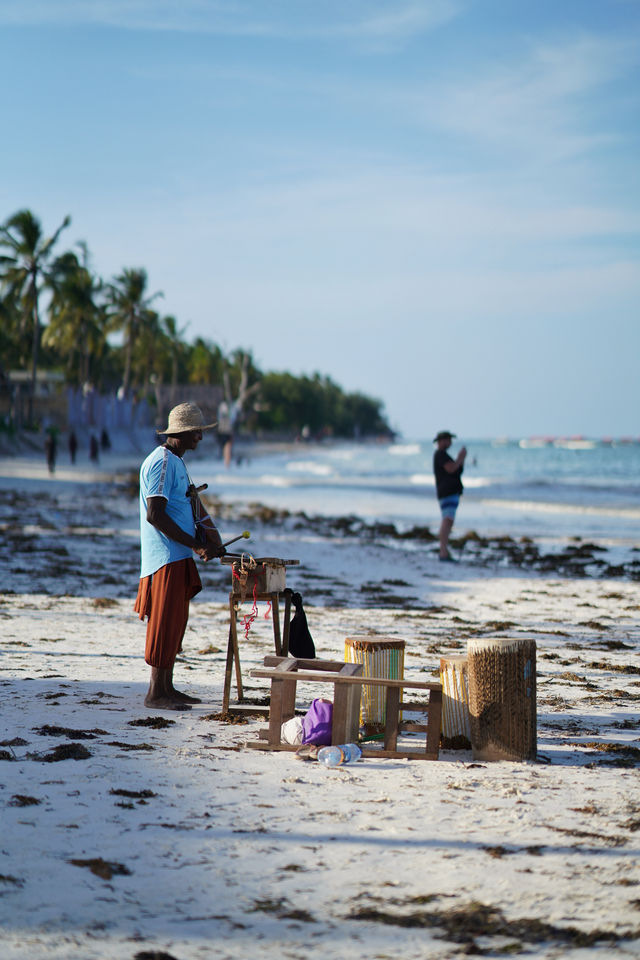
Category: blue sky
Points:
column 434, row 202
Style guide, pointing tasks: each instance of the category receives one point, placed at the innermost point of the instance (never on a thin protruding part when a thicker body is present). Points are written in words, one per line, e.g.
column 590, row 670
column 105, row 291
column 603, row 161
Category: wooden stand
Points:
column 286, row 673
column 266, row 581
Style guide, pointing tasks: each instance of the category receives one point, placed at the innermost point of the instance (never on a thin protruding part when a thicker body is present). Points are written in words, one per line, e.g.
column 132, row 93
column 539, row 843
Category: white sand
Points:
column 238, row 852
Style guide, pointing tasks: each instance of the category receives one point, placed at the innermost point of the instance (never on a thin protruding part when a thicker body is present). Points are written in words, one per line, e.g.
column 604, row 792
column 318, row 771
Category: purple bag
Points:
column 316, row 723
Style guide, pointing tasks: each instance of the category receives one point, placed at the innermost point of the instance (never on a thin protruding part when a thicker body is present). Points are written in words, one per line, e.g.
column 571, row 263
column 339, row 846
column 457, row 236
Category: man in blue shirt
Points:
column 173, row 526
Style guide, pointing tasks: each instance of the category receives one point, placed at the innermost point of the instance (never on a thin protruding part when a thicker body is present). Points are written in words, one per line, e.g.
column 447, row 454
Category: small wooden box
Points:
column 265, row 578
column 268, row 575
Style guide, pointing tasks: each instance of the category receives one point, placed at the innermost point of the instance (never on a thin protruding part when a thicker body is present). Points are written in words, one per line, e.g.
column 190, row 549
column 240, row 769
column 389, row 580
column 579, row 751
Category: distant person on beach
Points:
column 173, row 525
column 226, row 423
column 51, row 449
column 105, row 441
column 73, row 446
column 448, row 487
column 94, row 449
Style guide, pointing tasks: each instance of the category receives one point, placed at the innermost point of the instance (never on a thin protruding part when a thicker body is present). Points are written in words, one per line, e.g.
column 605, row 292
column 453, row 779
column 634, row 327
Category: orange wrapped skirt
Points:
column 163, row 599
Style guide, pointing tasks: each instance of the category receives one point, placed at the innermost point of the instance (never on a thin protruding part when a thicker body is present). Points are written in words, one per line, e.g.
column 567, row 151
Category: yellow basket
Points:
column 380, row 657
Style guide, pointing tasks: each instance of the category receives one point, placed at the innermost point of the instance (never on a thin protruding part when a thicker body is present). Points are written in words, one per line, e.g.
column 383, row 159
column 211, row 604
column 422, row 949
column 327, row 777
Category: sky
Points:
column 435, row 203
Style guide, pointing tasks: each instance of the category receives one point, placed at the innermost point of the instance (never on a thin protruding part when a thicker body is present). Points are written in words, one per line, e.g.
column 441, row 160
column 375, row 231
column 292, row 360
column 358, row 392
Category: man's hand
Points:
column 214, row 541
column 207, row 551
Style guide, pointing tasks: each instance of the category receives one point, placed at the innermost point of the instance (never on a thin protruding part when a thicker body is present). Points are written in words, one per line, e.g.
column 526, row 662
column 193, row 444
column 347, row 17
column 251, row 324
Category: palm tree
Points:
column 9, row 335
column 144, row 360
column 174, row 346
column 128, row 311
column 77, row 321
column 205, row 362
column 24, row 269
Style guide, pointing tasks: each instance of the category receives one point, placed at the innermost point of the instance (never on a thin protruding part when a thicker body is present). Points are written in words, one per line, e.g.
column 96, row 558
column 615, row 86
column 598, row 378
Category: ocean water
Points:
column 537, row 489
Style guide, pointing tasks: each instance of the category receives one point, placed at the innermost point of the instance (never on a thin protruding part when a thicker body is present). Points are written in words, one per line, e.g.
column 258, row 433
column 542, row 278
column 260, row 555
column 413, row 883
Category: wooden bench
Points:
column 347, row 680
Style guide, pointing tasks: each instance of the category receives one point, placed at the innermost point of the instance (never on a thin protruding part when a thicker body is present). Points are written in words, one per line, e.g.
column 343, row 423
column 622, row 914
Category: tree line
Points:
column 57, row 314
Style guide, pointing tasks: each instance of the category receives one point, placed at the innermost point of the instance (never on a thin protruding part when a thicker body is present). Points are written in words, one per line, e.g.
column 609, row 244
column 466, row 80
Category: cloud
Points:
column 391, row 22
column 397, row 22
column 542, row 103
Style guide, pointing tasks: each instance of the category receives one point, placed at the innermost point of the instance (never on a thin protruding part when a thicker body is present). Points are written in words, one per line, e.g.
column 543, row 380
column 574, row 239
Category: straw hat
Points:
column 444, row 435
column 184, row 418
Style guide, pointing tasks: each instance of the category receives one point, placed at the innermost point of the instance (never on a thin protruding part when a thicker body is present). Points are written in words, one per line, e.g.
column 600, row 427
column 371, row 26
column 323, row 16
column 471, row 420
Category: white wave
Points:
column 426, row 479
column 342, row 453
column 404, row 449
column 422, row 479
column 310, row 466
column 537, row 506
column 476, row 482
column 274, row 480
column 243, row 481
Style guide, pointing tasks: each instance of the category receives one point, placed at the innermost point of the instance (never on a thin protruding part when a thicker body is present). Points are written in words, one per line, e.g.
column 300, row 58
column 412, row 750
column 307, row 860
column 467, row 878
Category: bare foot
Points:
column 165, row 703
column 184, row 697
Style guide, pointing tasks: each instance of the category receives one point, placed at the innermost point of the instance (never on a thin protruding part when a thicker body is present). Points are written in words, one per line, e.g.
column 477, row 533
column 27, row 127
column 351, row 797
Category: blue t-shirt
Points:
column 163, row 474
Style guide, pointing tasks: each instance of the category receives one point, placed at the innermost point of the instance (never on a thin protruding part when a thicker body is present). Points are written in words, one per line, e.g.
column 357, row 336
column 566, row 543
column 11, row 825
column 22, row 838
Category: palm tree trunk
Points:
column 126, row 379
column 34, row 349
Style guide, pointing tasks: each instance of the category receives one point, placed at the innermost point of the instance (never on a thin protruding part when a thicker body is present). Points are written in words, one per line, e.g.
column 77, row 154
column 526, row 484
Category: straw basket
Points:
column 380, row 657
column 455, row 701
column 502, row 698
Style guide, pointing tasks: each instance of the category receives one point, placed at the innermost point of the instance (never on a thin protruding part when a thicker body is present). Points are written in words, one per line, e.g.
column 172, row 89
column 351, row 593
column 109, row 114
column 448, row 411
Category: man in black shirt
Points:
column 448, row 487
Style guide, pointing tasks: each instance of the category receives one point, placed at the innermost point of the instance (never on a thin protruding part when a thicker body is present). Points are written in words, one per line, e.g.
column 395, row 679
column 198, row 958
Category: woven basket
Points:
column 502, row 698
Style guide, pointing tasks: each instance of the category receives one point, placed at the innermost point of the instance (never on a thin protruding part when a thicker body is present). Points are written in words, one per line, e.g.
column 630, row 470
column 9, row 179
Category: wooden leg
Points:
column 233, row 655
column 285, row 627
column 345, row 724
column 392, row 718
column 289, row 700
column 275, row 712
column 231, row 648
column 433, row 727
column 282, row 703
column 236, row 655
column 275, row 613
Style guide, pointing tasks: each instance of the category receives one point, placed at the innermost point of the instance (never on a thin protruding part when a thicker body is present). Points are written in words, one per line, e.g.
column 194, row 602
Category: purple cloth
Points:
column 316, row 723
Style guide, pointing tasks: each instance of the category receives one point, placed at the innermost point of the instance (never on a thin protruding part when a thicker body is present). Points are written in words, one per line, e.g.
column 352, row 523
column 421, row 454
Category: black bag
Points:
column 300, row 640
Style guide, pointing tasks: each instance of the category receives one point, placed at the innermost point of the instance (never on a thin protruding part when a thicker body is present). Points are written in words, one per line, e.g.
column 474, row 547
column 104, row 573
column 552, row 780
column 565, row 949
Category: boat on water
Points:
column 575, row 443
column 532, row 443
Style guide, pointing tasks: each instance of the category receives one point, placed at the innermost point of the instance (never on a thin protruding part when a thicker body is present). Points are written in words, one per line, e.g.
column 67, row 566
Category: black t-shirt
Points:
column 446, row 483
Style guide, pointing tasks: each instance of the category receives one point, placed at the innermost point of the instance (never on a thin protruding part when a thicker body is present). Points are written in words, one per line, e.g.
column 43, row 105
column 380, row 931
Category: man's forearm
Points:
column 171, row 529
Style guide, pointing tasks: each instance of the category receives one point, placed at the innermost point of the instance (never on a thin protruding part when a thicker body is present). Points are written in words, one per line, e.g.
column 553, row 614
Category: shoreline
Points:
column 103, row 496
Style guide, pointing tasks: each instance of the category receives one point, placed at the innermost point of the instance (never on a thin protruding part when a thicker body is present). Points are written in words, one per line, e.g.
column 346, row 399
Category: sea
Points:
column 539, row 488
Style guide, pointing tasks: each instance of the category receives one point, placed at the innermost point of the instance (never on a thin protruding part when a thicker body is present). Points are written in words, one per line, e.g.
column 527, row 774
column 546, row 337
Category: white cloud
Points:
column 392, row 21
column 540, row 105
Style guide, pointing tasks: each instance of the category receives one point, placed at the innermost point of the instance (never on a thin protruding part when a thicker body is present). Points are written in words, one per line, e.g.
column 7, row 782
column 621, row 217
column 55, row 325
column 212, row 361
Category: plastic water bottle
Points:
column 335, row 756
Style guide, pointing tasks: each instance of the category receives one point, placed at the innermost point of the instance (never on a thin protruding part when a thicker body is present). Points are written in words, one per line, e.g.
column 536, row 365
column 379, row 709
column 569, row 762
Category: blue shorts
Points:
column 449, row 505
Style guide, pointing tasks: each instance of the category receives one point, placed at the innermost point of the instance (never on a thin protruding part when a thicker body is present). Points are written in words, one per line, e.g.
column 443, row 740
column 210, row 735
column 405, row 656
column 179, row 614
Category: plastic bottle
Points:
column 335, row 756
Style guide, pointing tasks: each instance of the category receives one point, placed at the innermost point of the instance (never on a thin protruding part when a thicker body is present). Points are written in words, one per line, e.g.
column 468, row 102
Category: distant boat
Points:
column 535, row 442
column 575, row 443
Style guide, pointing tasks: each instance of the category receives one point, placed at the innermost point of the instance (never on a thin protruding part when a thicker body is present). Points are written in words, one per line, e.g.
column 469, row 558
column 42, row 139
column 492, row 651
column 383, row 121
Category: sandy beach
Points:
column 130, row 833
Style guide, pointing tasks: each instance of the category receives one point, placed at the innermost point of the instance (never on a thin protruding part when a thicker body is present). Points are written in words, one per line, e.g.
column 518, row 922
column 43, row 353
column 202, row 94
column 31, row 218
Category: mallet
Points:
column 242, row 536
